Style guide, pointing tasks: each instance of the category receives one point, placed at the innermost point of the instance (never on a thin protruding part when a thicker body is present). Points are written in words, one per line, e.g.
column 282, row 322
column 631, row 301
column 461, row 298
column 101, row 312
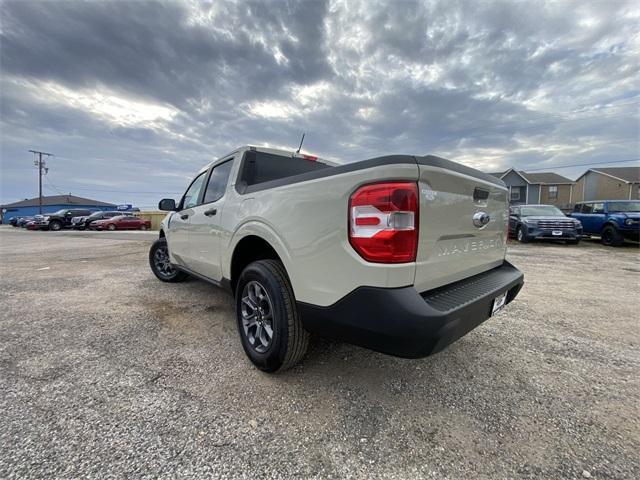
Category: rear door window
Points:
column 261, row 167
column 598, row 208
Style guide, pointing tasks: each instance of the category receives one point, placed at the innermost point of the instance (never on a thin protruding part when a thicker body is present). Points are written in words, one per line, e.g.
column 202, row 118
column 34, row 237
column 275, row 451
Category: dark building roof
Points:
column 536, row 178
column 59, row 200
column 628, row 174
column 545, row 177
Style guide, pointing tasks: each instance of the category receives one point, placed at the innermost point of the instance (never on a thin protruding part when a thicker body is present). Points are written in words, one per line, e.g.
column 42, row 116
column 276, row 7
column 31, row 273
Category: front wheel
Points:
column 160, row 263
column 111, row 227
column 270, row 327
column 55, row 225
column 522, row 236
column 611, row 237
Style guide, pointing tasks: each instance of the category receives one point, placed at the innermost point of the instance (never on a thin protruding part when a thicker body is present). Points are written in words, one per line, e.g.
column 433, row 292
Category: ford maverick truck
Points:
column 399, row 254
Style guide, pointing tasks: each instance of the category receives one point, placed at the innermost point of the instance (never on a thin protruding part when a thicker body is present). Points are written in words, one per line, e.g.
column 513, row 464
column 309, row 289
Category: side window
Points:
column 577, row 208
column 553, row 191
column 192, row 195
column 260, row 167
column 218, row 182
column 515, row 211
column 587, row 208
column 598, row 208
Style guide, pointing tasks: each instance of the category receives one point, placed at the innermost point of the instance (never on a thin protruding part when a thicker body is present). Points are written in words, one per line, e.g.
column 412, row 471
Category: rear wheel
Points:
column 55, row 225
column 143, row 227
column 270, row 327
column 522, row 236
column 160, row 263
column 611, row 237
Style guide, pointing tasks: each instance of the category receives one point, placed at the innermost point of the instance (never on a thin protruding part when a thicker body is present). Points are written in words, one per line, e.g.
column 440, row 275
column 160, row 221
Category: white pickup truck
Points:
column 399, row 254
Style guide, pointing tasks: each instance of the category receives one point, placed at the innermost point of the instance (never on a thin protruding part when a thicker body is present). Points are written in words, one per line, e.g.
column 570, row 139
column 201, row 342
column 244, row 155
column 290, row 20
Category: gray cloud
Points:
column 136, row 96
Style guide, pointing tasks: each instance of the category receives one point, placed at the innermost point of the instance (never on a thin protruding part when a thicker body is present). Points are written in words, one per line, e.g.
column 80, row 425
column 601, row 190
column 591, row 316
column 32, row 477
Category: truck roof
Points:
column 273, row 151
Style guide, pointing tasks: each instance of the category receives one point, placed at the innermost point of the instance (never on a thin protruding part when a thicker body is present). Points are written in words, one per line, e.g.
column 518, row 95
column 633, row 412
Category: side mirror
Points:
column 167, row 204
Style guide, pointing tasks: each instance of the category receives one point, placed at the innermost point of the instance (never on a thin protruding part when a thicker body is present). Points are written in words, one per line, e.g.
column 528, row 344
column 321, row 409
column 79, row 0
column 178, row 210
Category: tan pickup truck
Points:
column 399, row 254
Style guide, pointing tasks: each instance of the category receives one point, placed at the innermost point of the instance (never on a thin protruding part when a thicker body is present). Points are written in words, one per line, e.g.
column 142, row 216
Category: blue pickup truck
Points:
column 613, row 220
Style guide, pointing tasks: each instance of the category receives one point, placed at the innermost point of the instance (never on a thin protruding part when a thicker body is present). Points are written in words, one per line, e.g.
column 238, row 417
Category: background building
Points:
column 615, row 183
column 51, row 204
column 541, row 187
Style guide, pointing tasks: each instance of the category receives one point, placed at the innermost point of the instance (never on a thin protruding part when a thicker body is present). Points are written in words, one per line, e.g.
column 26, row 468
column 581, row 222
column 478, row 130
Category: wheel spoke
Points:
column 268, row 332
column 249, row 303
column 258, row 335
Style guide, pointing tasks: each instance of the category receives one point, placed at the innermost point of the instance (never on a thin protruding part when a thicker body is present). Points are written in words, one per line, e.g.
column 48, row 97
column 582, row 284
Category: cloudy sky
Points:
column 134, row 97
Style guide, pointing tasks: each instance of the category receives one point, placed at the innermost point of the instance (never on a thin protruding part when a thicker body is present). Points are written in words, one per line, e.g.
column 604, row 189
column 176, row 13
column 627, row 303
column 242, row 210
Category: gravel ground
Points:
column 107, row 373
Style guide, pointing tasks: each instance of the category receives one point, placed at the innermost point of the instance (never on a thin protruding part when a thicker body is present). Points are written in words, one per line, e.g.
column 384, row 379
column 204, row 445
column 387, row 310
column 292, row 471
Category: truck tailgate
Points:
column 450, row 245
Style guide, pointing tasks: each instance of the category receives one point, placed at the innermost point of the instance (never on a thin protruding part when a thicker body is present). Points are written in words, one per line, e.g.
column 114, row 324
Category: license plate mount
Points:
column 498, row 303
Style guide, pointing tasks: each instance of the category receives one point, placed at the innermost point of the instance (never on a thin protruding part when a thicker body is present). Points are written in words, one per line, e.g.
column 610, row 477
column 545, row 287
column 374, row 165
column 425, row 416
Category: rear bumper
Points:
column 405, row 323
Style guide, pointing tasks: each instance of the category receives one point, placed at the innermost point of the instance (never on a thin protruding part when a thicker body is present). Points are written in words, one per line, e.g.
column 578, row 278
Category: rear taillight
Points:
column 383, row 222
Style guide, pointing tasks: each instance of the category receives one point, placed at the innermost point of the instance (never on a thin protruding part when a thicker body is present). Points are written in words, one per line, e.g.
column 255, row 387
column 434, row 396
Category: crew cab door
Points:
column 593, row 217
column 206, row 229
column 179, row 223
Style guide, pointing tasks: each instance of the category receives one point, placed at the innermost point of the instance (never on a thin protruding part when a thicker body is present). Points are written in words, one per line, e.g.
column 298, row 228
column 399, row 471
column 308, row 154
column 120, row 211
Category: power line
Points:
column 581, row 164
column 40, row 163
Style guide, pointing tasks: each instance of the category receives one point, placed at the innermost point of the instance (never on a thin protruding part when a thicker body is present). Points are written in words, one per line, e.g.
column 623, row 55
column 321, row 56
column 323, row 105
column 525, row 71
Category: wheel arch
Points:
column 248, row 249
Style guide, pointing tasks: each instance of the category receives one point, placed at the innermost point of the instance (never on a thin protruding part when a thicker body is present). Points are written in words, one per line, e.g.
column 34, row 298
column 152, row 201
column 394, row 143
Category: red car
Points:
column 123, row 222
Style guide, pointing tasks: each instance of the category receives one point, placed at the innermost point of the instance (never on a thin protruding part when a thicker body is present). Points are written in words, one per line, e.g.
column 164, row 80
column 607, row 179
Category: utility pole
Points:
column 40, row 163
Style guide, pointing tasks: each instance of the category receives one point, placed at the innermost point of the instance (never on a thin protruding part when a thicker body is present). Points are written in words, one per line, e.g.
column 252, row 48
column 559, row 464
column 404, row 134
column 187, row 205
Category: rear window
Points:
column 260, row 167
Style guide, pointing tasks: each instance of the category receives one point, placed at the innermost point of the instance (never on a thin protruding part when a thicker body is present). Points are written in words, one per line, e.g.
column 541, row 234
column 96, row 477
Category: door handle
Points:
column 211, row 212
column 184, row 216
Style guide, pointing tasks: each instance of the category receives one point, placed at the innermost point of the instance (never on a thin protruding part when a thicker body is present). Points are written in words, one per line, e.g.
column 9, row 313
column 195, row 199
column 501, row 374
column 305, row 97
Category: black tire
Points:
column 55, row 225
column 289, row 341
column 521, row 236
column 611, row 237
column 160, row 268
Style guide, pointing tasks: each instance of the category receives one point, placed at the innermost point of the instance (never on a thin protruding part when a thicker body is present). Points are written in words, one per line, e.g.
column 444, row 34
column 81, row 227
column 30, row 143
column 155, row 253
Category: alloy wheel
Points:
column 257, row 316
column 162, row 262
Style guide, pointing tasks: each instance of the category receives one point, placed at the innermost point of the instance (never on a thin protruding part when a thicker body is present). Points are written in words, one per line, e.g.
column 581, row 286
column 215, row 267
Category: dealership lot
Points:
column 106, row 372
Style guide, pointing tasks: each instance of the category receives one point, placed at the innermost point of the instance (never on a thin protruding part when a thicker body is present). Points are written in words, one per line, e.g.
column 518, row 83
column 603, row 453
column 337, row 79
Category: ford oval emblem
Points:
column 480, row 219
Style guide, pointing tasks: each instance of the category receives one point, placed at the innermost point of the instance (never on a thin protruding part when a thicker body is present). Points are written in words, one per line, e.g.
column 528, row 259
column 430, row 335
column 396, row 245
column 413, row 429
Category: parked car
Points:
column 537, row 222
column 81, row 223
column 612, row 220
column 62, row 218
column 419, row 263
column 121, row 222
column 20, row 221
